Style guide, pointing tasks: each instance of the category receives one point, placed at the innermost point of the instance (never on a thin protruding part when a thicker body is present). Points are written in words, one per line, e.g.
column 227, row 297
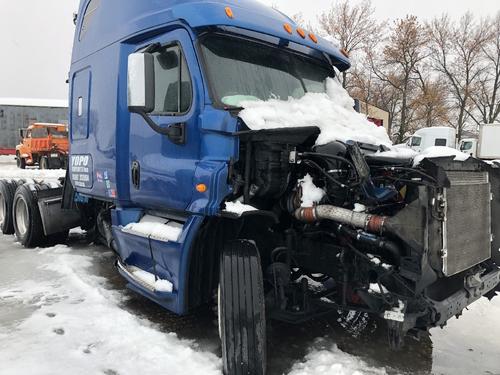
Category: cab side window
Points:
column 173, row 87
column 440, row 142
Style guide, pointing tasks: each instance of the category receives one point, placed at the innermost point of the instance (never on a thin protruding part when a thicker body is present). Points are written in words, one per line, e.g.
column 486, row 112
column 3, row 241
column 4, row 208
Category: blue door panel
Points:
column 167, row 169
column 100, row 140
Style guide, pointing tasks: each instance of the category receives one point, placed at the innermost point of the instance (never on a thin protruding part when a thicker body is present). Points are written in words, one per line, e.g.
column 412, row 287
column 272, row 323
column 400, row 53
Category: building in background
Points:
column 376, row 115
column 17, row 114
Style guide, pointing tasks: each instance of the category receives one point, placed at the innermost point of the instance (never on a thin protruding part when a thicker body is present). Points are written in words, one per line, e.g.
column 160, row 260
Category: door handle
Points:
column 135, row 174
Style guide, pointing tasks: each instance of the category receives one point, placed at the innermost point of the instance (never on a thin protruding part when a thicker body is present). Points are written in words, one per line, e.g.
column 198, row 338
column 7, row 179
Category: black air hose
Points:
column 390, row 247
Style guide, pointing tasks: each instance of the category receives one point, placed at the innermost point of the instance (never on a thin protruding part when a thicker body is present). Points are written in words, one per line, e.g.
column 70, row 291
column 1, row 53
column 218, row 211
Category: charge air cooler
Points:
column 467, row 228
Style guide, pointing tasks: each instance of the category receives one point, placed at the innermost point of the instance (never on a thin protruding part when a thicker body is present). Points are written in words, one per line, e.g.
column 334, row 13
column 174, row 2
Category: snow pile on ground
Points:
column 439, row 151
column 7, row 159
column 9, row 170
column 332, row 112
column 334, row 362
column 156, row 228
column 79, row 328
column 475, row 337
column 311, row 194
column 238, row 208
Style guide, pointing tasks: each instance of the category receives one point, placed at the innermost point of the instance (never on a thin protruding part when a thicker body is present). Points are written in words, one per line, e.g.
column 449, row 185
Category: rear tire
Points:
column 7, row 192
column 242, row 315
column 27, row 220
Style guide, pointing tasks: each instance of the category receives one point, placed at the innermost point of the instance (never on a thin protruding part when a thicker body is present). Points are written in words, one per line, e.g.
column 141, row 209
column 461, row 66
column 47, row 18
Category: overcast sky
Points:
column 36, row 36
column 394, row 9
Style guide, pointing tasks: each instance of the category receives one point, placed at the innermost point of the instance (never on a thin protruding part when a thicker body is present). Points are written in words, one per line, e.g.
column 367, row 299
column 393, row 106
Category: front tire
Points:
column 7, row 192
column 21, row 162
column 27, row 220
column 242, row 315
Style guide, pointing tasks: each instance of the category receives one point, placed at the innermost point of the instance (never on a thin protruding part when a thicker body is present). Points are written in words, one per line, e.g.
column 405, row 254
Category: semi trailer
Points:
column 425, row 138
column 159, row 153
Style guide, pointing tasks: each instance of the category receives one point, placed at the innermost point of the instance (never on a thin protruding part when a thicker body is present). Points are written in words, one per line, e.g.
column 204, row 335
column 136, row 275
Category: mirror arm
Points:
column 175, row 132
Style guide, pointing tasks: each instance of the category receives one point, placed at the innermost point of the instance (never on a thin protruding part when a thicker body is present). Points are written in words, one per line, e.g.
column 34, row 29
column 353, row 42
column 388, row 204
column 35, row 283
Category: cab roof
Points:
column 108, row 21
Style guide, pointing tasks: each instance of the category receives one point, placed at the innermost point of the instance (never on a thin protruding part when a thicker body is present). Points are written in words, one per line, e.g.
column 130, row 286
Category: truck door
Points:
column 161, row 169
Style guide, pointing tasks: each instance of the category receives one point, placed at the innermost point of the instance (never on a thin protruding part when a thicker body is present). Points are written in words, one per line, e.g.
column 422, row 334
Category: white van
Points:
column 430, row 137
column 487, row 147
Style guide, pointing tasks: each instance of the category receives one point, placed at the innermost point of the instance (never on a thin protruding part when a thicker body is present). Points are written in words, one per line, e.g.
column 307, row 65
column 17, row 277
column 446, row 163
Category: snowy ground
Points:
column 64, row 310
column 9, row 170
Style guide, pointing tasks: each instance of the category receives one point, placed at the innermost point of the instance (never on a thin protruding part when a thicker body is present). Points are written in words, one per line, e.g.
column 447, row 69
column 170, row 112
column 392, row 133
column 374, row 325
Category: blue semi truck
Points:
column 158, row 149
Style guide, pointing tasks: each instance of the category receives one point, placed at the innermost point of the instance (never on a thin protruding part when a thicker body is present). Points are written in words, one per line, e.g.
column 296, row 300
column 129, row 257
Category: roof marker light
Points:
column 301, row 32
column 313, row 37
column 288, row 28
column 229, row 12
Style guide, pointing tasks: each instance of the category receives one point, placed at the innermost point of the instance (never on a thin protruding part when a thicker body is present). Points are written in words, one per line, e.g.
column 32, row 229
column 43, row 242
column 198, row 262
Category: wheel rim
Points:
column 22, row 216
column 2, row 209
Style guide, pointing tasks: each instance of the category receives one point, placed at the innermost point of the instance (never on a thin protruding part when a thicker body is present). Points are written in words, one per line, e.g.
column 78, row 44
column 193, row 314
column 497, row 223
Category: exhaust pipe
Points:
column 370, row 223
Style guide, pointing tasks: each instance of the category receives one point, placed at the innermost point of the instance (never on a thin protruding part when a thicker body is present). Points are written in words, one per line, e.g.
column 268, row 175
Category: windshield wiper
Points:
column 233, row 108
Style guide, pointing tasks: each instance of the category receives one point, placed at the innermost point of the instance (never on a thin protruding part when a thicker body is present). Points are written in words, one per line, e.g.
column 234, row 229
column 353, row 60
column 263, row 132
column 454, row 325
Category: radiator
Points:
column 467, row 228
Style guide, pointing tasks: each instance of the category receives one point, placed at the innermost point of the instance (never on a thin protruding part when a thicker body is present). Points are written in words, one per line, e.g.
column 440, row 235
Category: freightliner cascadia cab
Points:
column 269, row 224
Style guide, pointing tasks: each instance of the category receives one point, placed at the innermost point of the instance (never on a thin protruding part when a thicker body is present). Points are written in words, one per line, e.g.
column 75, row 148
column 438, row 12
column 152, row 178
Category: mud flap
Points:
column 54, row 218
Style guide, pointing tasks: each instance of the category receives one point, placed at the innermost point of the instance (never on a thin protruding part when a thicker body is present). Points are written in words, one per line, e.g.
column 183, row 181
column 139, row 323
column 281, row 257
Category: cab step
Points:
column 145, row 279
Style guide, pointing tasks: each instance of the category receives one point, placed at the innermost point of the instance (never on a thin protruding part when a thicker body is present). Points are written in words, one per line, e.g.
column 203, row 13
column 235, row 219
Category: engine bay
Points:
column 356, row 230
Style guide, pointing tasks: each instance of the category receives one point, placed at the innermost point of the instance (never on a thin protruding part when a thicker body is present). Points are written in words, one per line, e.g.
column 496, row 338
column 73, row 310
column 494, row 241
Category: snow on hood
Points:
column 332, row 112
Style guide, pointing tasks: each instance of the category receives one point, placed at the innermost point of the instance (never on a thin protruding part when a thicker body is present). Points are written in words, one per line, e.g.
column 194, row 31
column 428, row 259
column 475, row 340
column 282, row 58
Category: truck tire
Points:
column 7, row 191
column 21, row 162
column 44, row 163
column 27, row 220
column 56, row 163
column 242, row 318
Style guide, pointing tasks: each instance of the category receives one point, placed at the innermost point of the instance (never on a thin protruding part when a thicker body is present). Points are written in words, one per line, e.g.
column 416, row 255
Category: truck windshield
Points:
column 416, row 141
column 466, row 146
column 241, row 70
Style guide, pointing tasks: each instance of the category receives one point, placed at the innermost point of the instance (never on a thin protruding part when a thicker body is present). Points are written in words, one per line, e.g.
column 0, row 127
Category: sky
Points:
column 36, row 36
column 393, row 9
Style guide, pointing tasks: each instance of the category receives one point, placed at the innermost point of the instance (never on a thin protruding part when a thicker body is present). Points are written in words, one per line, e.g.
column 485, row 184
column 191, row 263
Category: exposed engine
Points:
column 413, row 245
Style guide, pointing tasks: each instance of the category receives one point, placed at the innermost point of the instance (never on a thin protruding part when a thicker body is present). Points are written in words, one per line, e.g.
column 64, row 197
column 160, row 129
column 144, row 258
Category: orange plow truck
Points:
column 45, row 145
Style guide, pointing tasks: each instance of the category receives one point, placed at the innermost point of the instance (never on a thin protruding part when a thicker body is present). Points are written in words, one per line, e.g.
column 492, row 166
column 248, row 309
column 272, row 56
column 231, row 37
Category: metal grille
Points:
column 468, row 226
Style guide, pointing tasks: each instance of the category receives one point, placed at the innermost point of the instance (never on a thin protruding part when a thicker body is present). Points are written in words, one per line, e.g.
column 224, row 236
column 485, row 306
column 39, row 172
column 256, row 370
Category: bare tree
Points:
column 398, row 67
column 486, row 95
column 431, row 108
column 352, row 26
column 456, row 51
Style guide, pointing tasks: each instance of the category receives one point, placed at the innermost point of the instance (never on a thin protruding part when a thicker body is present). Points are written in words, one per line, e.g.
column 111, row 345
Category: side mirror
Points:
column 141, row 83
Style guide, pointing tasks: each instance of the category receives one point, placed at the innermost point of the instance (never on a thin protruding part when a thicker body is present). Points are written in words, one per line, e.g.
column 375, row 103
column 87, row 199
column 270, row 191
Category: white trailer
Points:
column 487, row 147
column 430, row 137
